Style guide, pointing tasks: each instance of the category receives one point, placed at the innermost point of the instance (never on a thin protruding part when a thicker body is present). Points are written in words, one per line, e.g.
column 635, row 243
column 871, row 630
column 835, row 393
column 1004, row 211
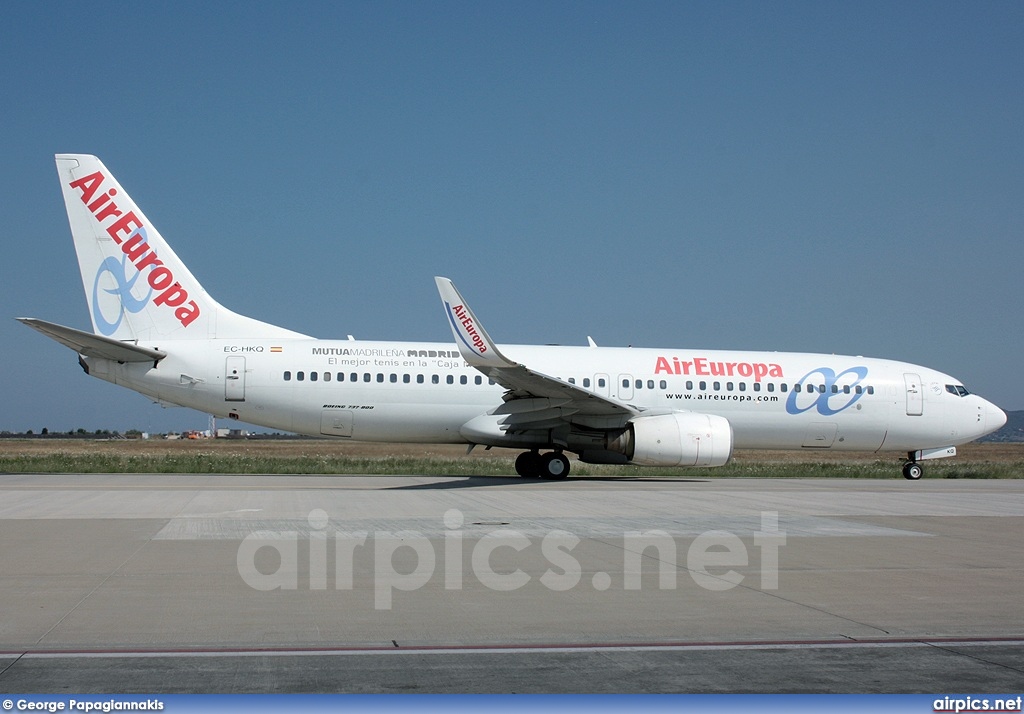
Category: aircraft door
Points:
column 234, row 379
column 915, row 395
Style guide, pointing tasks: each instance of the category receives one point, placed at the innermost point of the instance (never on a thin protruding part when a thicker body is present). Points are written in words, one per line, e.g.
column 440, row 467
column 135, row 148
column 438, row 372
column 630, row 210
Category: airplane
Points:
column 158, row 332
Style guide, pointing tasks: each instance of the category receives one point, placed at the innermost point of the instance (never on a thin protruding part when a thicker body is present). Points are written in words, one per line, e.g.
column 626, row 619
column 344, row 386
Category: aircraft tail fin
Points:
column 135, row 285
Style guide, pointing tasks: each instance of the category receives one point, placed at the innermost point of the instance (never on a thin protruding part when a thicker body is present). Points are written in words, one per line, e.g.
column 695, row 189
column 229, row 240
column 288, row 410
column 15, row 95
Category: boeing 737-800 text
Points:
column 158, row 332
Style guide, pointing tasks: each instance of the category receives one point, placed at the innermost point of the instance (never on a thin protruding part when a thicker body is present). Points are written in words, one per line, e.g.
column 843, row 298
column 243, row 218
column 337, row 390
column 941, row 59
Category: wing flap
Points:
column 530, row 405
column 90, row 345
column 540, row 419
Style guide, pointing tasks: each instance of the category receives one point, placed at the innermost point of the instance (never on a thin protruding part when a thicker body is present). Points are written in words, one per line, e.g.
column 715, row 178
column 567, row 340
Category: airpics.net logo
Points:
column 406, row 561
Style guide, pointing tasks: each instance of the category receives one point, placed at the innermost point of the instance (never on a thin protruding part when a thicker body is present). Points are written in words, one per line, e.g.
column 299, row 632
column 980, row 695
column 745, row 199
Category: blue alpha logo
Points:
column 122, row 290
column 826, row 391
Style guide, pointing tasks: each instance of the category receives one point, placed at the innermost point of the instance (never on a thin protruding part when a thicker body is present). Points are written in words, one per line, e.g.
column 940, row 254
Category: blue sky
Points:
column 821, row 176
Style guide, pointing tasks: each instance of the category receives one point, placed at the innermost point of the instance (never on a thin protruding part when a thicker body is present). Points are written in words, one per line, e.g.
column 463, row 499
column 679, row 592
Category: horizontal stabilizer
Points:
column 90, row 345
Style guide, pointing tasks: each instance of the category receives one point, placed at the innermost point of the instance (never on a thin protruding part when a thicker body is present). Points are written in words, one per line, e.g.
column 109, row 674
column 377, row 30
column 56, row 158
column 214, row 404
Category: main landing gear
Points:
column 912, row 470
column 552, row 465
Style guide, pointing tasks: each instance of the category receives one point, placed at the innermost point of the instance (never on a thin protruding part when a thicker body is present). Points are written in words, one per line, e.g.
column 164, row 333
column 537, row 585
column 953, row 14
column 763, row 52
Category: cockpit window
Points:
column 957, row 389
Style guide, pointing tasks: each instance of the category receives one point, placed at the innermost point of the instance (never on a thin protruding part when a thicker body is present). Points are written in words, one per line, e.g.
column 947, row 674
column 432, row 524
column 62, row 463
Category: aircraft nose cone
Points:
column 994, row 417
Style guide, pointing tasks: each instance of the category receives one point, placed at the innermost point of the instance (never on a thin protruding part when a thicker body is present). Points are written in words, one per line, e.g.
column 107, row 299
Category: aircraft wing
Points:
column 533, row 400
column 90, row 345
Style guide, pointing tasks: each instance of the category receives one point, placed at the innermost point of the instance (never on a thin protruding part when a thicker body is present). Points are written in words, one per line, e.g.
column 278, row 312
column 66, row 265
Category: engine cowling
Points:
column 679, row 439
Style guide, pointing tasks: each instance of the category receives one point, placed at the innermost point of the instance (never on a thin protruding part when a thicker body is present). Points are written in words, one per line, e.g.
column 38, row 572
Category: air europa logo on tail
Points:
column 459, row 313
column 127, row 231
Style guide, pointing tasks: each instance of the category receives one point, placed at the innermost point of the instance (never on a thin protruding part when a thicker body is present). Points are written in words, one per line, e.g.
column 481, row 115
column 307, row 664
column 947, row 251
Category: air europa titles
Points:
column 467, row 322
column 703, row 367
column 169, row 292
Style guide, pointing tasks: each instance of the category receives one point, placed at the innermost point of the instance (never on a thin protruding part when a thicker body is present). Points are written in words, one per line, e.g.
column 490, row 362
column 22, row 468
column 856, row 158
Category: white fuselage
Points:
column 426, row 392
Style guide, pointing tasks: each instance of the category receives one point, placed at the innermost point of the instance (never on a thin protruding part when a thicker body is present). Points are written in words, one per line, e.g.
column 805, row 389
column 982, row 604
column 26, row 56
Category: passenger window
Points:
column 796, row 388
column 743, row 386
column 463, row 379
column 650, row 384
column 835, row 389
column 728, row 386
column 757, row 386
column 327, row 376
column 586, row 382
column 353, row 377
column 625, row 383
column 341, row 376
column 663, row 384
column 313, row 376
column 703, row 386
column 859, row 389
column 601, row 382
column 478, row 380
column 419, row 379
column 846, row 389
column 380, row 377
column 871, row 390
column 717, row 386
column 572, row 380
column 434, row 379
column 450, row 379
column 394, row 378
column 300, row 376
column 367, row 376
column 689, row 384
column 771, row 386
column 288, row 376
column 783, row 387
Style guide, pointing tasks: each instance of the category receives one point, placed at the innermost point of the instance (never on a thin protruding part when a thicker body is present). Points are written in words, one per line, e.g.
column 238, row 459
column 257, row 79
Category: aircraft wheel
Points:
column 554, row 465
column 912, row 471
column 528, row 464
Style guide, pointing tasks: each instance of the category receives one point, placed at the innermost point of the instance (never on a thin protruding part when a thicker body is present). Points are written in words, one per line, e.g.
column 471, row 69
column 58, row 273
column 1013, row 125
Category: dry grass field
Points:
column 313, row 456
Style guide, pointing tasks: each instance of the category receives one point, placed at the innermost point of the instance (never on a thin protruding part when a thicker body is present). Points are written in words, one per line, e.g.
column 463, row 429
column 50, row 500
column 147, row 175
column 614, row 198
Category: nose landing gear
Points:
column 551, row 466
column 912, row 471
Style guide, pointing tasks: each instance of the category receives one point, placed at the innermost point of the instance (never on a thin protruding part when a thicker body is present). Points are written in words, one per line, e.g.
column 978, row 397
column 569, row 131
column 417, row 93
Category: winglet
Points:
column 474, row 343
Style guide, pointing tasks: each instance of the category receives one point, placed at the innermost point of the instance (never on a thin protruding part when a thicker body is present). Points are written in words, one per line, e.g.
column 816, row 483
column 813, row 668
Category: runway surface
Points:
column 171, row 583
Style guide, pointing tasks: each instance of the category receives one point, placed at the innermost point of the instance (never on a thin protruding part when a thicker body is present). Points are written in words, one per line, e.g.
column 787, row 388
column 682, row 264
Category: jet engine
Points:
column 676, row 439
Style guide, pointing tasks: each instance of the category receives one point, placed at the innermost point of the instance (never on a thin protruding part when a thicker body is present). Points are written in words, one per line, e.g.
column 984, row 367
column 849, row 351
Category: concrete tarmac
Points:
column 224, row 583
